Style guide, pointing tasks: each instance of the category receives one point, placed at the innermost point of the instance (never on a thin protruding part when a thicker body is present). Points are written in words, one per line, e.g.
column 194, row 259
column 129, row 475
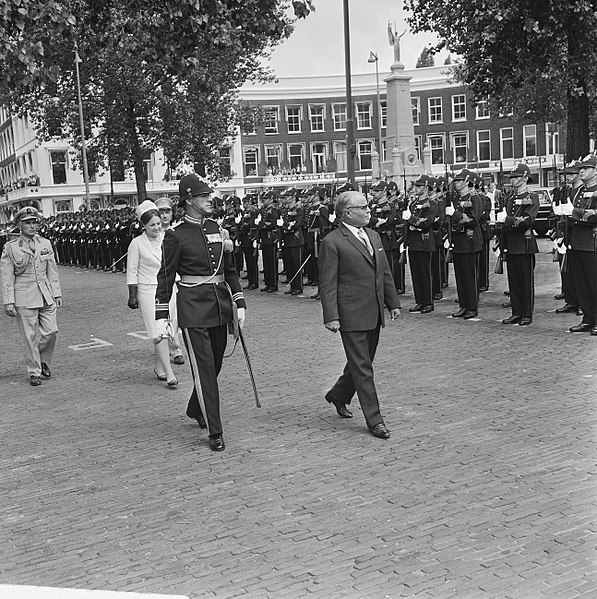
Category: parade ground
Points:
column 487, row 487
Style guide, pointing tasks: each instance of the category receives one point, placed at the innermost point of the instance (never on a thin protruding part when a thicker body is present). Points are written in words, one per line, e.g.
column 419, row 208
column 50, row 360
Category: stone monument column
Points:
column 399, row 124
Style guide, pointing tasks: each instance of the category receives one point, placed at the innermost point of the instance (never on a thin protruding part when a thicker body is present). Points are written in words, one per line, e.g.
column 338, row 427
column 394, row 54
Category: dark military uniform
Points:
column 583, row 251
column 421, row 245
column 520, row 247
column 467, row 241
column 268, row 240
column 209, row 284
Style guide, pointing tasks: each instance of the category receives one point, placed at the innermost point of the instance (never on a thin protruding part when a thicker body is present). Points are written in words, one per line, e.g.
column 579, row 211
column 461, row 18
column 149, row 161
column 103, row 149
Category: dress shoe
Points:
column 511, row 319
column 416, row 308
column 216, row 443
column 559, row 296
column 178, row 359
column 380, row 431
column 310, row 283
column 583, row 327
column 288, row 291
column 483, row 289
column 34, row 380
column 438, row 296
column 172, row 382
column 251, row 287
column 470, row 314
column 296, row 292
column 594, row 331
column 45, row 370
column 525, row 321
column 263, row 289
column 427, row 308
column 272, row 290
column 579, row 312
column 507, row 305
column 316, row 296
column 343, row 411
column 566, row 309
column 200, row 420
column 460, row 313
column 160, row 377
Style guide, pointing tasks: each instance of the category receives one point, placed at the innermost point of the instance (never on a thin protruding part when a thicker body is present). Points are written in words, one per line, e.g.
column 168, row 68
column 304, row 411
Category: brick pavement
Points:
column 487, row 487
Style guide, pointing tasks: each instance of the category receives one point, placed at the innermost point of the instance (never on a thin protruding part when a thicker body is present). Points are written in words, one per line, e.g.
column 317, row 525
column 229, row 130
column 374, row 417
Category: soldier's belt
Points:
column 201, row 280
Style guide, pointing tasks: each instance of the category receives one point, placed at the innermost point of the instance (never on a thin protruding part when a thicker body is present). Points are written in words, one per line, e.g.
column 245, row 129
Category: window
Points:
column 270, row 119
column 364, row 151
column 459, row 147
column 319, row 156
column 418, row 146
column 317, row 117
column 363, row 115
column 58, row 161
column 482, row 109
column 384, row 113
column 507, row 142
column 225, row 160
column 416, row 108
column 483, row 146
column 435, row 110
column 251, row 160
column 272, row 158
column 63, row 206
column 529, row 135
column 294, row 118
column 339, row 113
column 296, row 157
column 552, row 138
column 340, row 155
column 436, row 145
column 459, row 107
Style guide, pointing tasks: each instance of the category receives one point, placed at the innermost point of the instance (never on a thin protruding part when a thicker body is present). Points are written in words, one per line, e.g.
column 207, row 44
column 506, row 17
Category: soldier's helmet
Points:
column 190, row 186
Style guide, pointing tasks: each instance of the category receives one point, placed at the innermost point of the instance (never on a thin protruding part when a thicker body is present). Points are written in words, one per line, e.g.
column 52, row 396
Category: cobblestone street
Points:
column 487, row 487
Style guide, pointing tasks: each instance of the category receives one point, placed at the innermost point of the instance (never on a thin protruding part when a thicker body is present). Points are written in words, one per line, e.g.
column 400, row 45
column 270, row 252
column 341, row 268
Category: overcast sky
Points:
column 317, row 45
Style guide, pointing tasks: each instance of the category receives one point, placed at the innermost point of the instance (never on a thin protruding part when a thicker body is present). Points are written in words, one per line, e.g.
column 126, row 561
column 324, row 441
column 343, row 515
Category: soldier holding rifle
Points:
column 520, row 245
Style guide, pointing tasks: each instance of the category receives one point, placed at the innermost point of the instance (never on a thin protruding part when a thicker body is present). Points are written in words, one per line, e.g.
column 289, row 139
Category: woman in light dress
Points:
column 143, row 263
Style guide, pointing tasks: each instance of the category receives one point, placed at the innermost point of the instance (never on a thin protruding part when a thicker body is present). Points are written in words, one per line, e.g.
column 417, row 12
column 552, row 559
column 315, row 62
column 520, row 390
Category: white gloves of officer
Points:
column 501, row 216
column 450, row 210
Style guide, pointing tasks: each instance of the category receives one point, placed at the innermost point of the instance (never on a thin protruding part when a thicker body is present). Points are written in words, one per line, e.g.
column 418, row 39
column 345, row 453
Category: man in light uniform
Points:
column 31, row 292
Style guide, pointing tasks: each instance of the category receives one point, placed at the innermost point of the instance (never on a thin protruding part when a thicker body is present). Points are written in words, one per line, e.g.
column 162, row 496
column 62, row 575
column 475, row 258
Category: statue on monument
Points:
column 394, row 40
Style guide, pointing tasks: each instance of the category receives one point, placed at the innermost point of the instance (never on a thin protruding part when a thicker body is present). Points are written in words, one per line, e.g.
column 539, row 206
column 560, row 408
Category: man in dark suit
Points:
column 355, row 283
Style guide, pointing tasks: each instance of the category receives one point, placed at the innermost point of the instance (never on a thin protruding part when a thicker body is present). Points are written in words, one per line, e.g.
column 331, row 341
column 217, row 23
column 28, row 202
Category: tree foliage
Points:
column 537, row 57
column 153, row 73
column 425, row 59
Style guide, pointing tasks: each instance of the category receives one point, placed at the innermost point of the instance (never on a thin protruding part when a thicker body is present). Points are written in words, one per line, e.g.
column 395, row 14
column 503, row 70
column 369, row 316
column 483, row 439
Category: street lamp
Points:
column 374, row 58
column 83, row 145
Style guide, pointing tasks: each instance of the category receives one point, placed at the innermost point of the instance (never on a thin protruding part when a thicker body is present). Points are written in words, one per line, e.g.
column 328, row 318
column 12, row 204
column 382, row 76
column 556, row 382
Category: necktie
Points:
column 365, row 240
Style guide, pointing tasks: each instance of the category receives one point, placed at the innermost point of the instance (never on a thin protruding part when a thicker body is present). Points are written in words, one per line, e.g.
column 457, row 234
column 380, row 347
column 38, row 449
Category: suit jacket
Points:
column 355, row 286
column 29, row 277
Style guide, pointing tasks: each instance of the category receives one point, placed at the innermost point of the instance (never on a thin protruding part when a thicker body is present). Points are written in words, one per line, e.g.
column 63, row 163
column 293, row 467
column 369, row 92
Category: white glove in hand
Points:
column 406, row 214
column 501, row 216
column 450, row 210
column 280, row 222
column 241, row 317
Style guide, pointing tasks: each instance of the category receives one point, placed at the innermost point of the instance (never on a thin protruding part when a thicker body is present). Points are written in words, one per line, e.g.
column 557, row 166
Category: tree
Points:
column 537, row 58
column 153, row 73
column 425, row 59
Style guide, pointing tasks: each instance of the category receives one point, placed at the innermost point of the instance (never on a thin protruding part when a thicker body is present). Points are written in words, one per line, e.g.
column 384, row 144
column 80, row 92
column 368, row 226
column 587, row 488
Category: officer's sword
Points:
column 300, row 270
column 249, row 368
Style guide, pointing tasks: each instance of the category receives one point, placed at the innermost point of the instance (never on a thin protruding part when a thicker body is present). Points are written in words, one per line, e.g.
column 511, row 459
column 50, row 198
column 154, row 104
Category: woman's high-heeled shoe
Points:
column 161, row 377
column 173, row 382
